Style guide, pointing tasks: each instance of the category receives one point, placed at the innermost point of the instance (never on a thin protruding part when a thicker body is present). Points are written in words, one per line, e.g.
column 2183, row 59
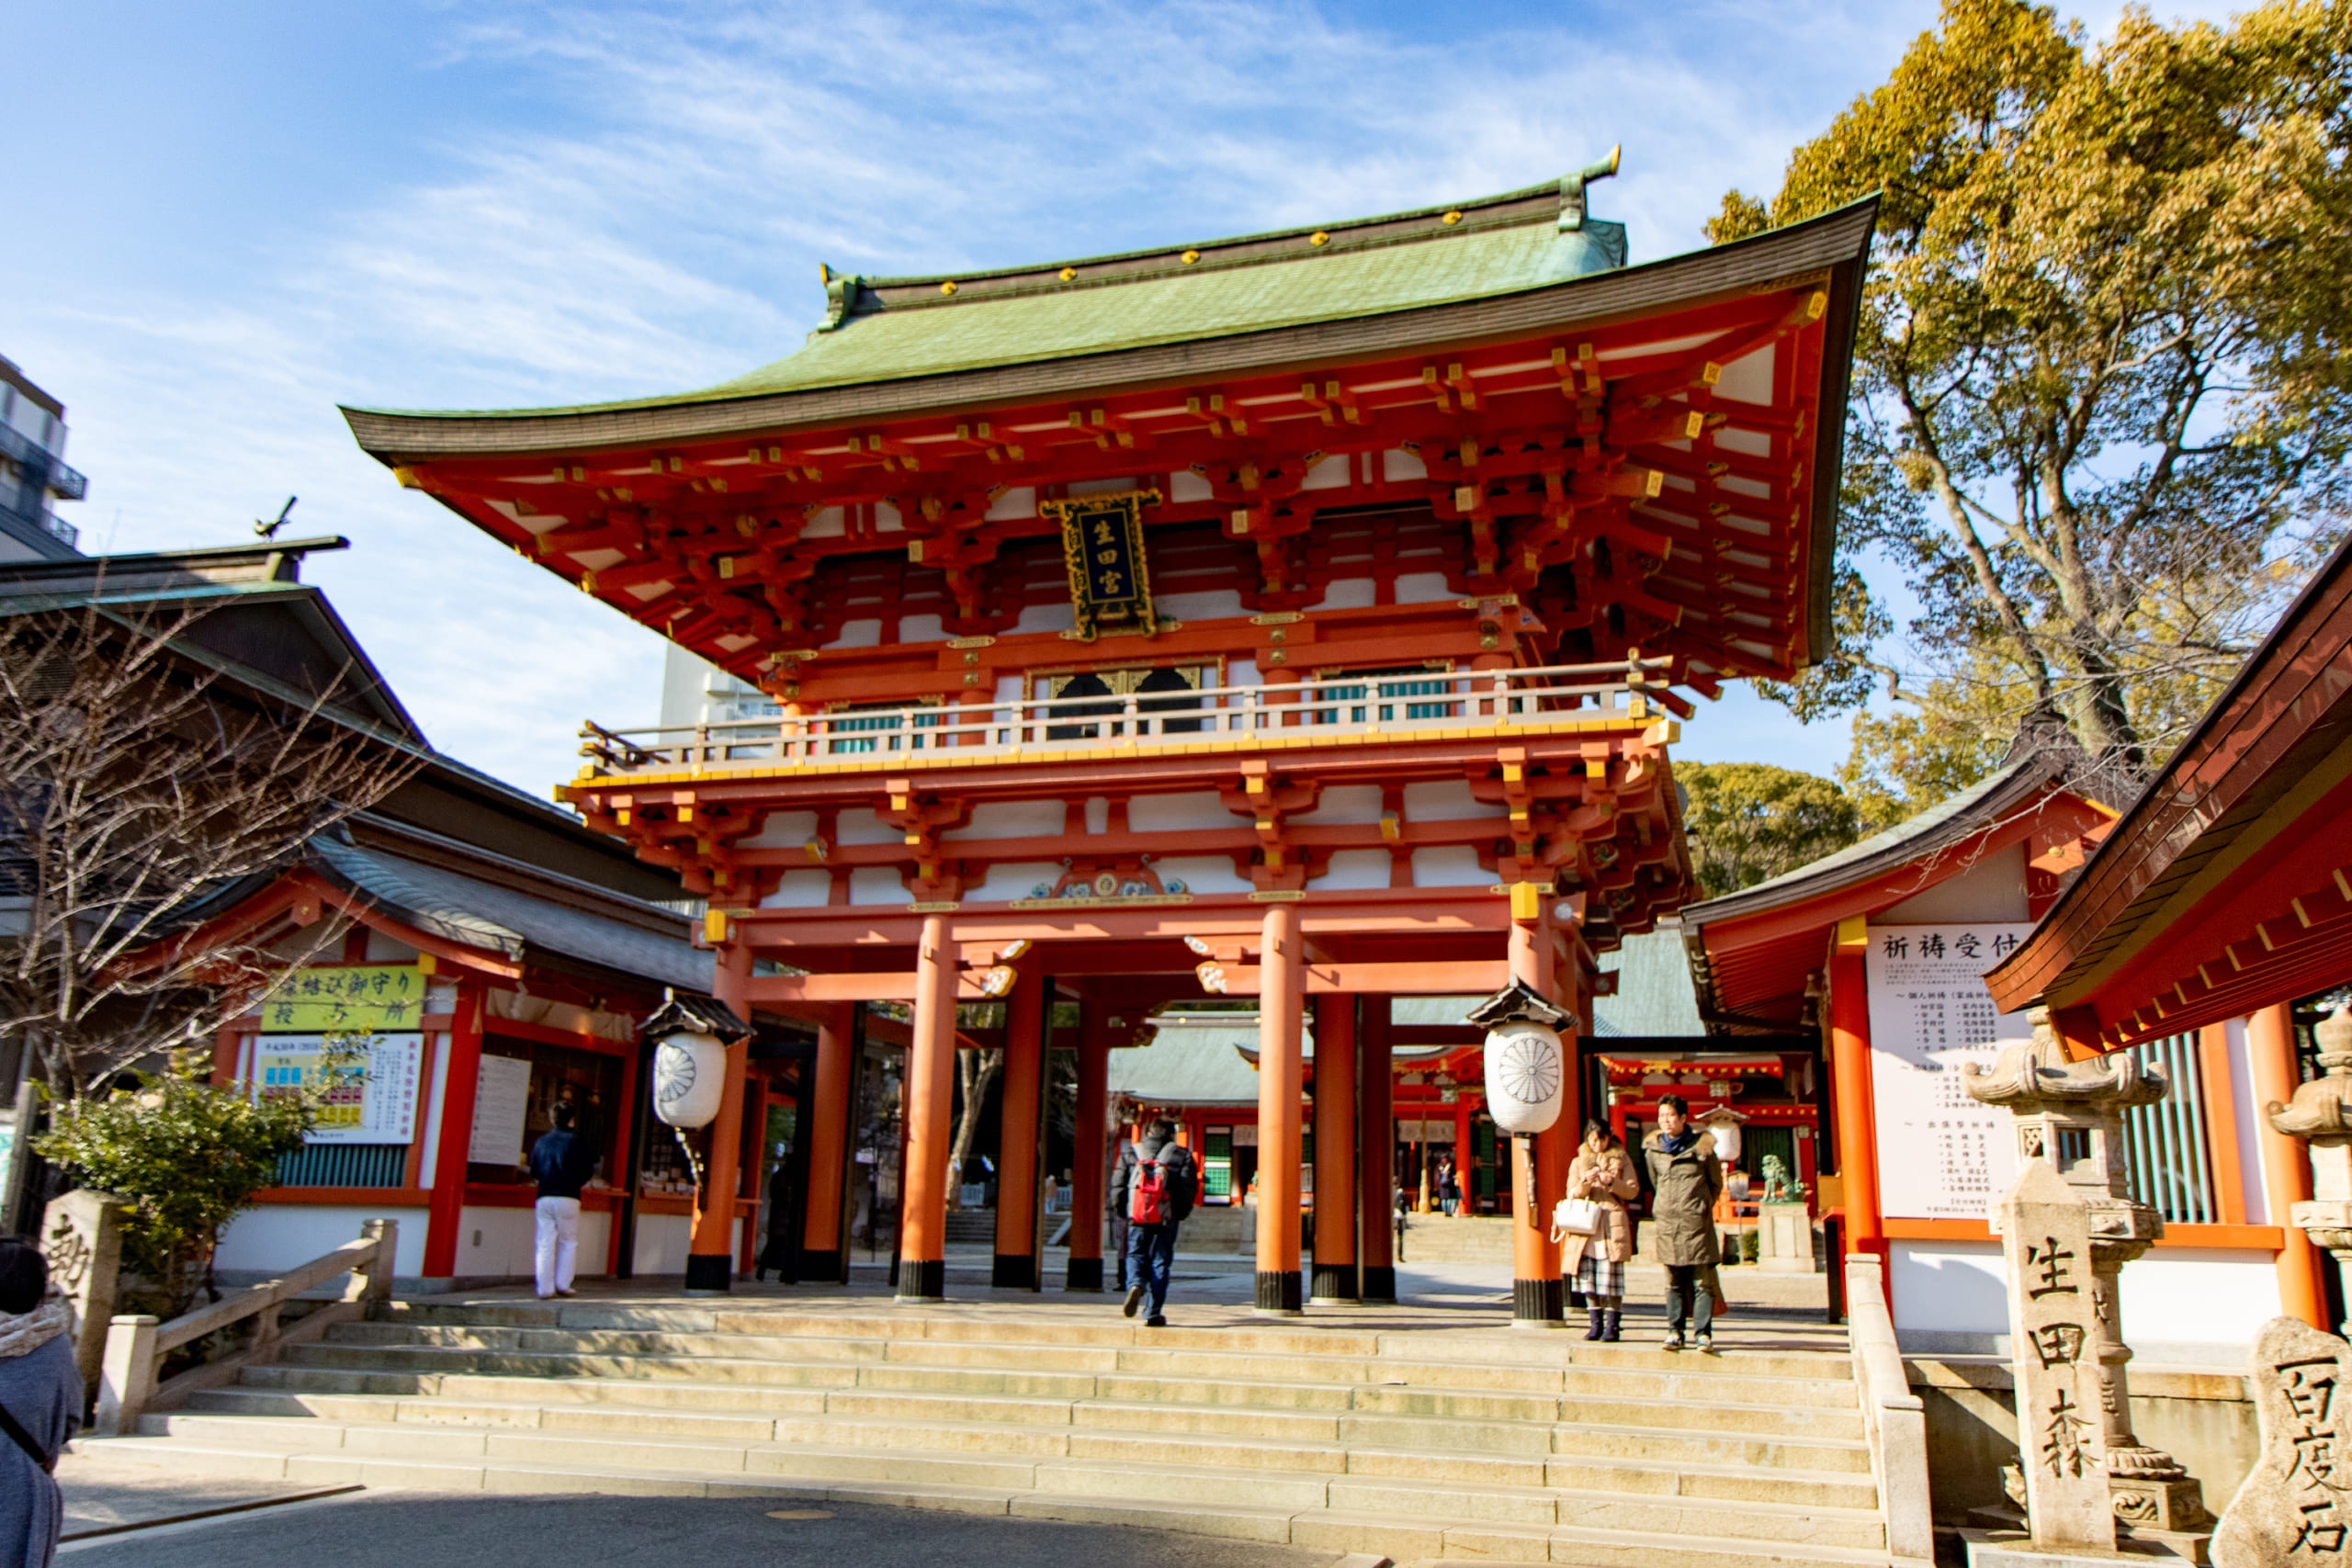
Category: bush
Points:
column 189, row 1156
column 1751, row 1245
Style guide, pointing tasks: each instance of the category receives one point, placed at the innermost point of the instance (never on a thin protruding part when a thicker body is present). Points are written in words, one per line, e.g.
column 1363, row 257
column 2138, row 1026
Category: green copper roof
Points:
column 883, row 330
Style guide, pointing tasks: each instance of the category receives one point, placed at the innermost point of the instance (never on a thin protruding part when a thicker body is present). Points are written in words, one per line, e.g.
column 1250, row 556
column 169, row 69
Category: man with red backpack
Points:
column 1155, row 1186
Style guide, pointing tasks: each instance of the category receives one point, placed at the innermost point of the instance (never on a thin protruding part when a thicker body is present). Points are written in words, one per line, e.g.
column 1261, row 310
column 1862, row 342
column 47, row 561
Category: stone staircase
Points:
column 1411, row 1435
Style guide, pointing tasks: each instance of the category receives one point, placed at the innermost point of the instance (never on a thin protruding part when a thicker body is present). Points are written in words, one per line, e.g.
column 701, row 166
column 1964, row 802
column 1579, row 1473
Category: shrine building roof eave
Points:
column 2243, row 825
column 1770, row 916
column 1837, row 241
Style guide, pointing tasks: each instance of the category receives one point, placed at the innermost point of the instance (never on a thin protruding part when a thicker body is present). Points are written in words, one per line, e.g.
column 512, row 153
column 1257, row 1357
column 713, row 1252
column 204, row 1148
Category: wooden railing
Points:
column 1395, row 703
column 136, row 1347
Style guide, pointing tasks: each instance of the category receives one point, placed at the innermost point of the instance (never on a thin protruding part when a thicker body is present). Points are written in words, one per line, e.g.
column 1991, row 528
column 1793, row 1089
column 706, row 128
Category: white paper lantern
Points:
column 689, row 1079
column 1526, row 1081
column 1724, row 1125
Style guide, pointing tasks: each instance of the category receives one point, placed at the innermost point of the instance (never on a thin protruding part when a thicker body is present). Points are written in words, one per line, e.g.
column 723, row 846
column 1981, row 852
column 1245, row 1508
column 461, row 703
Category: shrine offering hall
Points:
column 1306, row 616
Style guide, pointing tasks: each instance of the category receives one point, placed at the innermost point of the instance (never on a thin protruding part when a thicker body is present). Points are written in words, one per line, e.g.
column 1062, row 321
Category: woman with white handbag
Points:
column 1596, row 1232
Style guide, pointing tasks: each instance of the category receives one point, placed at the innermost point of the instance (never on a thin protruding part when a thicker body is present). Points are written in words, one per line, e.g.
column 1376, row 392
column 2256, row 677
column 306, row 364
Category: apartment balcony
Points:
column 1340, row 711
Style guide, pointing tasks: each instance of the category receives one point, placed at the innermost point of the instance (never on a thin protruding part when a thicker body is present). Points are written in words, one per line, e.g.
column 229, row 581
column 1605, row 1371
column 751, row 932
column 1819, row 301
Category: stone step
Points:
column 1437, row 1541
column 1188, row 1469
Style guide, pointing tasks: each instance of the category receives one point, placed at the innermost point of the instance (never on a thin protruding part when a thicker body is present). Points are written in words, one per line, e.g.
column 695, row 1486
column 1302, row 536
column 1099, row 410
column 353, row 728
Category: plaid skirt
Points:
column 1596, row 1276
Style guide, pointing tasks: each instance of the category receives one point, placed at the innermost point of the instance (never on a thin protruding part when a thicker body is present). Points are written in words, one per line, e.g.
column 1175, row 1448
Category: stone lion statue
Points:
column 1779, row 1187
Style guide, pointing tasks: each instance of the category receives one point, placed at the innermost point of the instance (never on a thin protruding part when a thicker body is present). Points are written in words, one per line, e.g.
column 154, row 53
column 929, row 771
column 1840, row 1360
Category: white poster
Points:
column 378, row 1109
column 1940, row 1154
column 501, row 1095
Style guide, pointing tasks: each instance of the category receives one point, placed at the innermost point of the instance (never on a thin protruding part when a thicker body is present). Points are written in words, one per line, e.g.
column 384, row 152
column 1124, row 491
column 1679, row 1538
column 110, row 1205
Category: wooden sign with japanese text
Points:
column 1110, row 580
column 2046, row 1242
column 355, row 997
column 1942, row 1155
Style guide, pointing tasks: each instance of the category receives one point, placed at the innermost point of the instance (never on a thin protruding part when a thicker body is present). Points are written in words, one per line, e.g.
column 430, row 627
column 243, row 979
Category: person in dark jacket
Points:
column 1685, row 1179
column 1151, row 1243
column 561, row 1162
column 41, row 1388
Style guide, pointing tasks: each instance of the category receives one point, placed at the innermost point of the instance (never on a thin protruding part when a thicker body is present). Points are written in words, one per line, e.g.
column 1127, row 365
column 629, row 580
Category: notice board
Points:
column 1940, row 1154
column 502, row 1096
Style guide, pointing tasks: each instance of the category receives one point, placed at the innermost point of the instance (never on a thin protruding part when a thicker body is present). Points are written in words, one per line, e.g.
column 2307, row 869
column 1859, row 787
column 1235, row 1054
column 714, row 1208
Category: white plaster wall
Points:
column 1214, row 605
column 1011, row 819
column 864, row 828
column 1748, row 378
column 1400, row 464
column 1014, row 879
column 1423, row 588
column 921, row 629
column 1348, row 593
column 382, row 949
column 1948, row 1296
column 663, row 1240
column 1178, row 813
column 782, row 831
column 1345, row 804
column 1992, row 889
column 859, row 634
column 801, row 890
column 1448, row 802
column 1351, row 869
column 877, row 884
column 1450, row 866
column 1328, row 474
column 2197, row 1306
column 1185, row 485
column 1202, row 873
column 1056, row 616
column 278, row 1236
column 827, row 523
column 1021, row 501
column 1098, row 815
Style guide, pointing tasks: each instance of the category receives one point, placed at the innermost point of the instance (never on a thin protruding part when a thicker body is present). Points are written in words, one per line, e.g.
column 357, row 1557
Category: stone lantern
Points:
column 2070, row 1114
column 2321, row 1113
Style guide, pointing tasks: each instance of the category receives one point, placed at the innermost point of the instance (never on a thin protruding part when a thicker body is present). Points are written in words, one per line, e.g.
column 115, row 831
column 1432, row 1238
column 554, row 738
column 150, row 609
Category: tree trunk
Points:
column 976, row 1070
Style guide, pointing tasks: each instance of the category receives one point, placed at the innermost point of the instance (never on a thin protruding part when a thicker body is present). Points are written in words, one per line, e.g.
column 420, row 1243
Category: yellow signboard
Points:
column 329, row 1000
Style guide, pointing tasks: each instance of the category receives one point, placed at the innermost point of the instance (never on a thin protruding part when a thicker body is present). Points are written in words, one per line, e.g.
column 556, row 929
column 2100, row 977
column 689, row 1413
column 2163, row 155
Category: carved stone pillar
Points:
column 2321, row 1113
column 2071, row 1114
column 81, row 1235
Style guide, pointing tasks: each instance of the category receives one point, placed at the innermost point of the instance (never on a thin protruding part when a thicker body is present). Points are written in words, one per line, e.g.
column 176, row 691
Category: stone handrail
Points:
column 136, row 1346
column 1894, row 1418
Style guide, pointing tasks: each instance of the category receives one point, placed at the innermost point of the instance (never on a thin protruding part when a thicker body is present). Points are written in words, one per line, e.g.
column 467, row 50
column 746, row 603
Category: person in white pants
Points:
column 561, row 1162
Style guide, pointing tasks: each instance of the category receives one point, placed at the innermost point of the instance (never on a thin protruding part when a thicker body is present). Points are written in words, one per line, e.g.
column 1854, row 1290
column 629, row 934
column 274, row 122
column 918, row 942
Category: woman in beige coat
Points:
column 1595, row 1264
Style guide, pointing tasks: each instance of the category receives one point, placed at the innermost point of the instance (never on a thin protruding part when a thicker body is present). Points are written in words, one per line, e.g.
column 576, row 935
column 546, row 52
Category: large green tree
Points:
column 2102, row 389
column 1749, row 821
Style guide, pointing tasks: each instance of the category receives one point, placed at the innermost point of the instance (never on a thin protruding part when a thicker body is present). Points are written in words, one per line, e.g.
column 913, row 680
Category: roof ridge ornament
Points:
column 1572, row 208
column 840, row 294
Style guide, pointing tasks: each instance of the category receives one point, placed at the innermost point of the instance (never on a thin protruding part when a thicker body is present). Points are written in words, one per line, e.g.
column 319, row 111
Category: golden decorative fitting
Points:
column 948, row 286
column 1068, row 273
column 1451, row 218
column 1318, row 237
column 1192, row 256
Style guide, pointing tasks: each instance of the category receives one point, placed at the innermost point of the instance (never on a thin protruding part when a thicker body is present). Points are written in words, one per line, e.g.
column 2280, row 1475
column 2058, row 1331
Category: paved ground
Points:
column 104, row 1495
column 402, row 1529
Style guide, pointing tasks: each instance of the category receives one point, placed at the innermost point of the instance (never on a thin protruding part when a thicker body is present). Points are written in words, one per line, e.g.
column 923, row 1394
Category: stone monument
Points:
column 2069, row 1118
column 81, row 1235
column 2321, row 1113
column 2295, row 1506
column 1784, row 1222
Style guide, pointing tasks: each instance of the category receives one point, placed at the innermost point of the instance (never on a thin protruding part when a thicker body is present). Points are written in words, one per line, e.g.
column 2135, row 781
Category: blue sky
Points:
column 229, row 219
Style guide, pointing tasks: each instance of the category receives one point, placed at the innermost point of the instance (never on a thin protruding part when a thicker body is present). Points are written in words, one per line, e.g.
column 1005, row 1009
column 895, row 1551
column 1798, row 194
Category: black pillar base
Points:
column 1536, row 1300
column 1335, row 1283
column 1278, row 1292
column 924, row 1280
column 1085, row 1274
column 1379, row 1284
column 821, row 1267
column 1014, row 1270
column 709, row 1274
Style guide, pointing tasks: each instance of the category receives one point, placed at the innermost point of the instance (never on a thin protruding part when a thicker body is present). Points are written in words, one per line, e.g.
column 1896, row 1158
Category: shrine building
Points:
column 1304, row 617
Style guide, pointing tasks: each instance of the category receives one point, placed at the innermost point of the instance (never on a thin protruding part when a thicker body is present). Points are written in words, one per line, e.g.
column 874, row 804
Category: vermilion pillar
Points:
column 1335, row 1148
column 1849, row 1051
column 827, row 1108
column 1280, row 981
column 1021, row 1090
column 710, row 1259
column 1376, row 1146
column 931, row 1105
column 2286, row 1173
column 446, row 1208
column 1539, row 1175
column 1090, row 1160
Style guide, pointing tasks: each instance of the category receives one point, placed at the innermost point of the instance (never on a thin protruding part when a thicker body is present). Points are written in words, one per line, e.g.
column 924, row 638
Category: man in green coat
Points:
column 1685, row 1179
